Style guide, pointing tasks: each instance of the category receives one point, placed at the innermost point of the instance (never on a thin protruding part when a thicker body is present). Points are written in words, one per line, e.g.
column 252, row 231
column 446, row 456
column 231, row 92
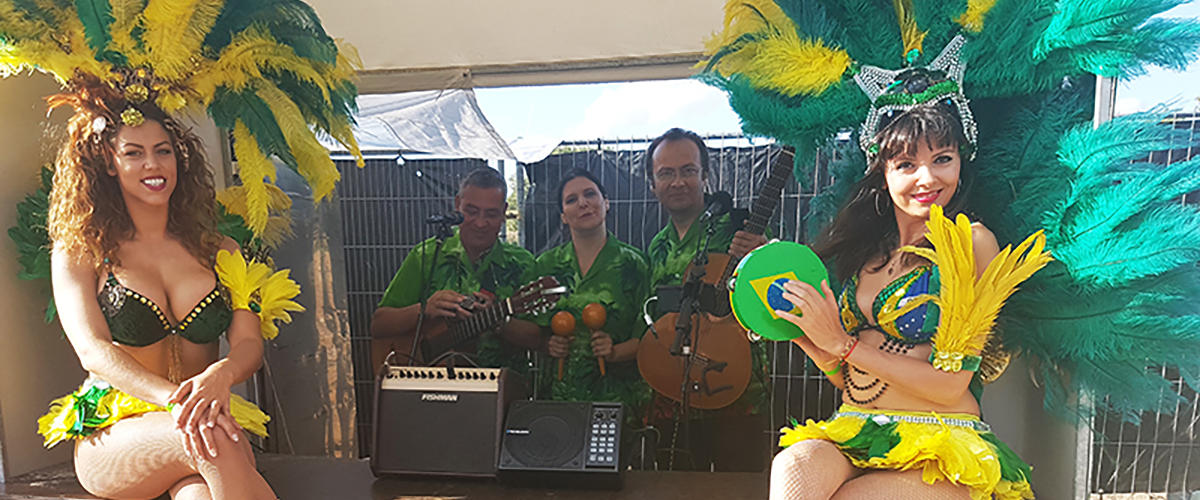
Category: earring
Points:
column 878, row 211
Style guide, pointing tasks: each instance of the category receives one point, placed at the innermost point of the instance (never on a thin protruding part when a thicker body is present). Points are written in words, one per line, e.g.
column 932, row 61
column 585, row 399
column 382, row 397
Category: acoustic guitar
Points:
column 439, row 335
column 721, row 367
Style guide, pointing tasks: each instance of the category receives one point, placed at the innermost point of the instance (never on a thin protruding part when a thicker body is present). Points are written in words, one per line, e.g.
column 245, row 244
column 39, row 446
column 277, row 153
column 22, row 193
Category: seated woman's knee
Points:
column 803, row 454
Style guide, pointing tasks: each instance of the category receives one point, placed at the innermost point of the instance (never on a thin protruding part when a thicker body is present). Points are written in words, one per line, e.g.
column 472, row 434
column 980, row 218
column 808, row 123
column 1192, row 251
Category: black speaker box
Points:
column 428, row 424
column 562, row 445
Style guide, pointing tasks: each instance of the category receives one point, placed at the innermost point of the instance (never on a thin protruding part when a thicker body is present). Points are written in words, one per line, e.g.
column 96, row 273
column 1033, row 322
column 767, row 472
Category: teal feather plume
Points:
column 845, row 169
column 1077, row 23
column 1019, row 176
column 1106, row 344
column 1119, row 300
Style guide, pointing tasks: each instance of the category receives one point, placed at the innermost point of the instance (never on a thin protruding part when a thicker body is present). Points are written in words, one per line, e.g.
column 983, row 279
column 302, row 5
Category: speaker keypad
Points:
column 603, row 447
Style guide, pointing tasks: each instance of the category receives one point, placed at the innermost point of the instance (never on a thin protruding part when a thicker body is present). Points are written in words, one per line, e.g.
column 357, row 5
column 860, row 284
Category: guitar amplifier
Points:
column 562, row 445
column 429, row 424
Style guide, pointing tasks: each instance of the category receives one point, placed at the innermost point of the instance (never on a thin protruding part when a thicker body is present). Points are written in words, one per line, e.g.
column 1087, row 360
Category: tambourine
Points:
column 757, row 288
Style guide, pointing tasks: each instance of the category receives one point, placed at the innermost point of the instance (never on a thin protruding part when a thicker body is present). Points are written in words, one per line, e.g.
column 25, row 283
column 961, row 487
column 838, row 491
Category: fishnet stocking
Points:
column 809, row 470
column 897, row 485
column 816, row 470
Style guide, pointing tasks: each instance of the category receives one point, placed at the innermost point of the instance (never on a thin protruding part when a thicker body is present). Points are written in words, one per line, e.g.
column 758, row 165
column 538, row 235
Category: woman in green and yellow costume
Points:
column 915, row 330
column 596, row 268
column 133, row 223
column 898, row 340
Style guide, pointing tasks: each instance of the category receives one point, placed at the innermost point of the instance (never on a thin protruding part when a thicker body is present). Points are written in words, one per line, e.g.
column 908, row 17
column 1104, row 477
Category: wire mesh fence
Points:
column 384, row 204
column 1160, row 458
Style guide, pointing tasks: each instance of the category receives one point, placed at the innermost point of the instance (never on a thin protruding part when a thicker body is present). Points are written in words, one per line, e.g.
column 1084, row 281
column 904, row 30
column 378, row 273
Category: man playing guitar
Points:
column 473, row 269
column 731, row 438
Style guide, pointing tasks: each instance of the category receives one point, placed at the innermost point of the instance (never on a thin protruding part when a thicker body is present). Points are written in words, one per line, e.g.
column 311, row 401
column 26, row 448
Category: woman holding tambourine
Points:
column 900, row 345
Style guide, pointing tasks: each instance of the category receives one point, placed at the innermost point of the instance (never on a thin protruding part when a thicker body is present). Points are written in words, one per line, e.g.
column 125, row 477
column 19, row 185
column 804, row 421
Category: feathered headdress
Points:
column 1114, row 302
column 263, row 69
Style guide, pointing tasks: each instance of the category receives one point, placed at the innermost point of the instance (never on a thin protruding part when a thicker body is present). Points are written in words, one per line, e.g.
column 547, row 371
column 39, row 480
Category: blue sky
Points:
column 646, row 109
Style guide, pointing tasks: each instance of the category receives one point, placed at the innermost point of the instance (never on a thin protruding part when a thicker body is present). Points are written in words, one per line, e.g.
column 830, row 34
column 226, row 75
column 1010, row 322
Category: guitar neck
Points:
column 467, row 329
column 764, row 206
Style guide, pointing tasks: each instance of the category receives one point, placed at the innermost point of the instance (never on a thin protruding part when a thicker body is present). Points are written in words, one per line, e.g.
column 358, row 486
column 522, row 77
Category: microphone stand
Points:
column 683, row 344
column 443, row 231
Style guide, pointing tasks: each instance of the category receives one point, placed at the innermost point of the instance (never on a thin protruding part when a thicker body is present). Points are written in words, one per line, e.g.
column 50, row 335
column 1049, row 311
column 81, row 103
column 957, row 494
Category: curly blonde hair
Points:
column 88, row 218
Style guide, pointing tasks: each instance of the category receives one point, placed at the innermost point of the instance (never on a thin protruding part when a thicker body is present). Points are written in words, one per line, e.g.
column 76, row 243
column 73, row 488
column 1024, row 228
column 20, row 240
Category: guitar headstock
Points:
column 537, row 297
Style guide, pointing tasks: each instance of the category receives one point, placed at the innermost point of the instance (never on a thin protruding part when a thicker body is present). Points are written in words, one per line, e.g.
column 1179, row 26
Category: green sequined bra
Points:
column 135, row 320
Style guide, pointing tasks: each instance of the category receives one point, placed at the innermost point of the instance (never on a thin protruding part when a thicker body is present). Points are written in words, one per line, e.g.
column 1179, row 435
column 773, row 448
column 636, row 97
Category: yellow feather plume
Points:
column 343, row 132
column 279, row 206
column 253, row 168
column 275, row 300
column 748, row 16
column 15, row 24
column 313, row 159
column 243, row 60
column 127, row 15
column 972, row 18
column 909, row 31
column 778, row 58
column 174, row 33
column 241, row 278
column 969, row 306
column 32, row 44
column 792, row 66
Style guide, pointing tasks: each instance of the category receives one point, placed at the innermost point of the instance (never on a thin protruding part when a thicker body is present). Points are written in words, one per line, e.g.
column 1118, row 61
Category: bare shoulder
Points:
column 64, row 263
column 229, row 245
column 986, row 246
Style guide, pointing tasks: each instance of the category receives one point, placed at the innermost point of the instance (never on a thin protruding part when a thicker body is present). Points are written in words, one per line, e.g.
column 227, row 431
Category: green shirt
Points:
column 618, row 281
column 669, row 258
column 499, row 271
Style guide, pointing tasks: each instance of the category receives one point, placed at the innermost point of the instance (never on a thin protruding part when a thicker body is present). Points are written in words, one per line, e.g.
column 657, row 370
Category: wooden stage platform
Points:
column 310, row 478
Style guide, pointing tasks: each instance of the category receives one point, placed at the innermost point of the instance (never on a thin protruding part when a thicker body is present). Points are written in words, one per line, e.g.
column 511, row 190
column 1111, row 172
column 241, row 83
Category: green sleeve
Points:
column 405, row 288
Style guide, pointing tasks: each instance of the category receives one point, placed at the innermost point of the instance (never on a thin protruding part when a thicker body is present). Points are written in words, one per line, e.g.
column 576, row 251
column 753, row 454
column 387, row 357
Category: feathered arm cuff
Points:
column 969, row 306
column 252, row 287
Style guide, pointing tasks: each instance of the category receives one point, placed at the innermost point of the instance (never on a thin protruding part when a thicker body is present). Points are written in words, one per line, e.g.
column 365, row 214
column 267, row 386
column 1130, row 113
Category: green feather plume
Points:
column 31, row 238
column 96, row 16
column 229, row 106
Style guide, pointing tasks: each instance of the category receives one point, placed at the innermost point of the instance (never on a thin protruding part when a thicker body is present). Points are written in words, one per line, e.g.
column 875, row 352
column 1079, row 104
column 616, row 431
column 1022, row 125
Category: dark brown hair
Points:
column 88, row 218
column 865, row 228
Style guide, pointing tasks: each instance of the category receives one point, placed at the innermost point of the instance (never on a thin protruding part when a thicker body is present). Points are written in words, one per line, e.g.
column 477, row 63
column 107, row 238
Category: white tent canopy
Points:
column 445, row 123
column 410, row 45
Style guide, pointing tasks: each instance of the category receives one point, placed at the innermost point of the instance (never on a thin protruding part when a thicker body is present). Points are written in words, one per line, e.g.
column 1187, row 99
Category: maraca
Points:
column 562, row 324
column 594, row 316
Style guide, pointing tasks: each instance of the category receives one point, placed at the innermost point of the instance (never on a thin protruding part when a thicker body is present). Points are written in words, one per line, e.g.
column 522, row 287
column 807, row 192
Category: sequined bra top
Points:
column 914, row 327
column 135, row 320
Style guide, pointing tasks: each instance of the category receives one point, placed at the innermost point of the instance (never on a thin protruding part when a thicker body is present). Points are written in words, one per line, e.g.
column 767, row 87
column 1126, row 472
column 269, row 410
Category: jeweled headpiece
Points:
column 895, row 92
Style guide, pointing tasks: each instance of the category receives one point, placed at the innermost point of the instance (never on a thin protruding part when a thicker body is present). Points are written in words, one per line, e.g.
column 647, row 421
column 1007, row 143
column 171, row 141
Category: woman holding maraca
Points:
column 594, row 336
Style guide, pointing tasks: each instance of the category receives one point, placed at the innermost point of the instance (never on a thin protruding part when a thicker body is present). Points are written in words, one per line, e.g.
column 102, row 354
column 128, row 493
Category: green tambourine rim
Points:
column 769, row 260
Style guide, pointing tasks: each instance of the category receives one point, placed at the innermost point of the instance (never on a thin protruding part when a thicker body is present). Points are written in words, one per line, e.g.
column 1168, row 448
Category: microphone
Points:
column 452, row 218
column 719, row 204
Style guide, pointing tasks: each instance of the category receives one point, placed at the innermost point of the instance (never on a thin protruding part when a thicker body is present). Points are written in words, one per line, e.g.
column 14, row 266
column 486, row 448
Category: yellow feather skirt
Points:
column 97, row 405
column 953, row 447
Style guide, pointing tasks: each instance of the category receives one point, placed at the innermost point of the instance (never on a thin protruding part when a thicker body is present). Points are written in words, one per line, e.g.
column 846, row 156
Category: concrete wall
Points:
column 36, row 361
column 1013, row 407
